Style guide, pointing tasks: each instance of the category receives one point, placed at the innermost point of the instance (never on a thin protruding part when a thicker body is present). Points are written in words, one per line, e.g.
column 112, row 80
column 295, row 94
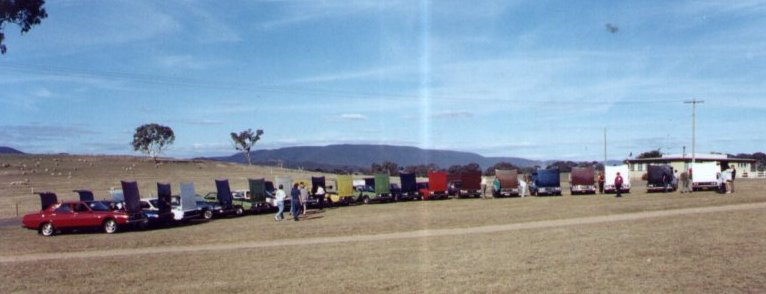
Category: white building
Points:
column 746, row 168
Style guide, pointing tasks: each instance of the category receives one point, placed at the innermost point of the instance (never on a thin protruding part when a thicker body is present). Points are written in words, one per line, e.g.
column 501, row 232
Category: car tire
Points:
column 366, row 200
column 47, row 229
column 207, row 214
column 240, row 211
column 110, row 226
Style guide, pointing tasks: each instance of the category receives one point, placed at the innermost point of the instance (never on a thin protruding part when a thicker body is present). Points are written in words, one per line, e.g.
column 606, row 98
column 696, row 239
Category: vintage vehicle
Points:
column 339, row 191
column 379, row 191
column 156, row 217
column 582, row 180
column 545, row 182
column 57, row 216
column 453, row 184
column 611, row 173
column 437, row 186
column 659, row 178
column 261, row 198
column 705, row 176
column 226, row 200
column 189, row 199
column 422, row 190
column 470, row 184
column 506, row 183
column 409, row 187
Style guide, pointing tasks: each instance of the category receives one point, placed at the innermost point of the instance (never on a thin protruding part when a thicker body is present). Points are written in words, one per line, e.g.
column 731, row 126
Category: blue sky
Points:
column 534, row 79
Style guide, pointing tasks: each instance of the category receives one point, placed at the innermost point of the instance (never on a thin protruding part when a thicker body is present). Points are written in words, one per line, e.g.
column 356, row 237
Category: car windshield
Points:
column 98, row 206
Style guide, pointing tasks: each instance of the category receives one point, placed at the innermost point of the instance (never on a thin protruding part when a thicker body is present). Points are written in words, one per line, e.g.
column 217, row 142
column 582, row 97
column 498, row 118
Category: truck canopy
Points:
column 317, row 182
column 583, row 176
column 509, row 179
column 257, row 190
column 437, row 181
column 470, row 180
column 657, row 172
column 409, row 184
column 547, row 178
column 345, row 186
column 382, row 184
column 611, row 173
column 705, row 172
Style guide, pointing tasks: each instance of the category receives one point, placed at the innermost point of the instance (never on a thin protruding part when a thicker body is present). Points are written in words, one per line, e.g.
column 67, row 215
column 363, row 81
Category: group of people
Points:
column 726, row 180
column 299, row 198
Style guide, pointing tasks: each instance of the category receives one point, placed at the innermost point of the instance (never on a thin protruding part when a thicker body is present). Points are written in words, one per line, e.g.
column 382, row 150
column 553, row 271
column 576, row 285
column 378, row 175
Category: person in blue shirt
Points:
column 295, row 201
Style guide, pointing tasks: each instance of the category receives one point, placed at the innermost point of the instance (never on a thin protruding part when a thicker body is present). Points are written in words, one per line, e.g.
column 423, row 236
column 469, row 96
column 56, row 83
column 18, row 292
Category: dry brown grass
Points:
column 711, row 252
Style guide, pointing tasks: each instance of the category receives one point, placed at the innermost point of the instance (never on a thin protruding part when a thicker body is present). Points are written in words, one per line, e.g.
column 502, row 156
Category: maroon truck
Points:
column 582, row 180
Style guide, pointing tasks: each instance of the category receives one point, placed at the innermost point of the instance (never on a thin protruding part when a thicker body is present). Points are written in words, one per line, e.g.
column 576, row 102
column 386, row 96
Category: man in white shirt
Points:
column 279, row 197
column 320, row 196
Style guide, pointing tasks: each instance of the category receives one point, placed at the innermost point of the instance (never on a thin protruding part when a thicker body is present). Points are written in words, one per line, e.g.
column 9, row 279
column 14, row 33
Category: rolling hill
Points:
column 362, row 156
column 9, row 150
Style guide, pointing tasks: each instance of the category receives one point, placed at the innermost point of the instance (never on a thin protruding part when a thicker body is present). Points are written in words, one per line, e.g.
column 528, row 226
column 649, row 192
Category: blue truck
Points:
column 545, row 182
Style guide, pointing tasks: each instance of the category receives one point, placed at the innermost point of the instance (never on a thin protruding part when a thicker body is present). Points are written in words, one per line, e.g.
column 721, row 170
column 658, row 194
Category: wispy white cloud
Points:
column 452, row 114
column 349, row 117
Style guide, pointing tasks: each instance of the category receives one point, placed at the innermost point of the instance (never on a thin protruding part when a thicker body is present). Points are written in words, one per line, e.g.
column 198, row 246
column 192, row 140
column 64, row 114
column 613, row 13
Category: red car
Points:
column 77, row 215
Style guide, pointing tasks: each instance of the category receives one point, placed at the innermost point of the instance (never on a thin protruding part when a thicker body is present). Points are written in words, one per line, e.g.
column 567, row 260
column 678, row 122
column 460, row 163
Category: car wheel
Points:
column 207, row 214
column 239, row 211
column 47, row 229
column 366, row 200
column 110, row 226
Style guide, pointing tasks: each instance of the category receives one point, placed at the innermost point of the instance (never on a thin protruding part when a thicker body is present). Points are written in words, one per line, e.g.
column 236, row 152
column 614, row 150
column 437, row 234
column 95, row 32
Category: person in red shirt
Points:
column 618, row 185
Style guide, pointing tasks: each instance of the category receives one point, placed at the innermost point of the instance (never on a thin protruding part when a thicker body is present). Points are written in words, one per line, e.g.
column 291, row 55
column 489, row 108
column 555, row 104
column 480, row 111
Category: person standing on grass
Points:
column 726, row 174
column 304, row 195
column 733, row 177
column 483, row 187
column 618, row 185
column 295, row 202
column 684, row 182
column 601, row 183
column 280, row 196
column 523, row 188
column 320, row 196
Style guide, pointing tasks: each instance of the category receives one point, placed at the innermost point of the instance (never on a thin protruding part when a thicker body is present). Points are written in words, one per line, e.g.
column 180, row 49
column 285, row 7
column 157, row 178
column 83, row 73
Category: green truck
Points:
column 379, row 192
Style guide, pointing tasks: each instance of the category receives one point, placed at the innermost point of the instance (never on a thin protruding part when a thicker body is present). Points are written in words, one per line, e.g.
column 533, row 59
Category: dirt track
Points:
column 389, row 236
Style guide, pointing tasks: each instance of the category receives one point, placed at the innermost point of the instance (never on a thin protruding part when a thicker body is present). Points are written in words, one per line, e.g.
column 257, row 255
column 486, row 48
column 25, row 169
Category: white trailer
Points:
column 705, row 175
column 611, row 173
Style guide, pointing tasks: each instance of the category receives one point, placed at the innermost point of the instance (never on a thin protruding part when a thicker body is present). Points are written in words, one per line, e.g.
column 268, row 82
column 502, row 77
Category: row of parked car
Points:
column 127, row 209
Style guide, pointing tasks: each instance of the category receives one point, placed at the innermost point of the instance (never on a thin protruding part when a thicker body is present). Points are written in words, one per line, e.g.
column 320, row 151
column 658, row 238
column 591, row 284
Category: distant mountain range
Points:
column 9, row 150
column 363, row 156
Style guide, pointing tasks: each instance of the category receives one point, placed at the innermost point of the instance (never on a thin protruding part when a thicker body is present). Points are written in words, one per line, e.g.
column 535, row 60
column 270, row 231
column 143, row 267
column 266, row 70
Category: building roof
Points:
column 689, row 159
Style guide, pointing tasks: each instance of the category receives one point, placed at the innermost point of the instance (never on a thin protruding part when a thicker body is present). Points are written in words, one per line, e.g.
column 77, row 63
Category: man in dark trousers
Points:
column 618, row 185
column 601, row 183
column 733, row 176
column 295, row 202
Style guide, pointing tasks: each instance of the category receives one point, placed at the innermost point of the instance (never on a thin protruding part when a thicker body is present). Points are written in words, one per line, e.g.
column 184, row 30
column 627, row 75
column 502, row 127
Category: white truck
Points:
column 611, row 173
column 705, row 175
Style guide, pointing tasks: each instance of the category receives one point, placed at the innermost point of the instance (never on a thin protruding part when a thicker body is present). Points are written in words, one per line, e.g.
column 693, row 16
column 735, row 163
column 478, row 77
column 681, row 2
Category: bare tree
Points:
column 245, row 140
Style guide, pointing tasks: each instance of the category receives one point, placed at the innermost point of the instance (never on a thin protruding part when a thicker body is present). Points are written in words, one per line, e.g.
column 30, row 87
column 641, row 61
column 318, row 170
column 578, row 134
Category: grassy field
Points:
column 698, row 252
